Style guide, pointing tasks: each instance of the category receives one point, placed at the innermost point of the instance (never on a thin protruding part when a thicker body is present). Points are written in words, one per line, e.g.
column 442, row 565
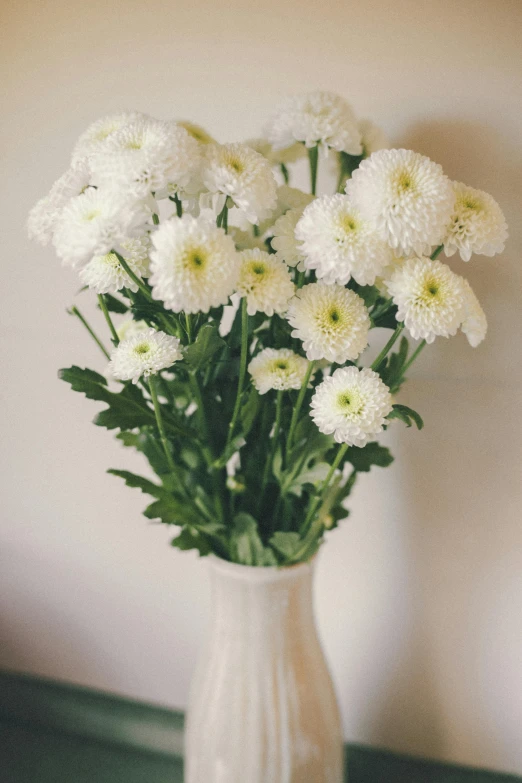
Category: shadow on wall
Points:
column 461, row 484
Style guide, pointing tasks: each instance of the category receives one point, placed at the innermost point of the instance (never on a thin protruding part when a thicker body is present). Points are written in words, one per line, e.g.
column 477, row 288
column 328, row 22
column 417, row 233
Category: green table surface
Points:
column 52, row 733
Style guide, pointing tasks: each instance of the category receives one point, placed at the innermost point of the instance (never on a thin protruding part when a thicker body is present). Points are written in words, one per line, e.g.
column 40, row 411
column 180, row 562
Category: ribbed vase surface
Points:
column 262, row 707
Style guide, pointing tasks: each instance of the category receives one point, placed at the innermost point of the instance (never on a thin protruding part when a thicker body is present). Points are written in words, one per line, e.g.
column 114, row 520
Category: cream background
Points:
column 419, row 593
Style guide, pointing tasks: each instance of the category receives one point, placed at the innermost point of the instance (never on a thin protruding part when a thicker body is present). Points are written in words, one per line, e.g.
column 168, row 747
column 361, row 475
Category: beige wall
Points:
column 420, row 597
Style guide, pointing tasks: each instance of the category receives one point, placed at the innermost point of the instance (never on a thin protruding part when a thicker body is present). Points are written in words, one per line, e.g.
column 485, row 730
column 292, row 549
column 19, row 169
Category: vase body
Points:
column 262, row 707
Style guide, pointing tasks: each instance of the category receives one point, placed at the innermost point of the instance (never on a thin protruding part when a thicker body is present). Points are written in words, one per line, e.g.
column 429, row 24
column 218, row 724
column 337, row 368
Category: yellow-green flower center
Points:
column 93, row 213
column 142, row 348
column 350, row 402
column 197, row 259
column 234, row 163
column 404, row 182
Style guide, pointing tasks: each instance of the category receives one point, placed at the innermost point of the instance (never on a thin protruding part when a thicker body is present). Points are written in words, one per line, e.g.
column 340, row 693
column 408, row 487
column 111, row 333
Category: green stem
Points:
column 222, row 218
column 188, row 325
column 313, row 157
column 74, row 311
column 285, row 173
column 297, row 408
column 299, row 282
column 135, row 279
column 436, row 253
column 155, row 219
column 159, row 421
column 413, row 357
column 105, row 311
column 277, row 426
column 312, row 531
column 389, row 345
column 242, row 370
column 177, row 202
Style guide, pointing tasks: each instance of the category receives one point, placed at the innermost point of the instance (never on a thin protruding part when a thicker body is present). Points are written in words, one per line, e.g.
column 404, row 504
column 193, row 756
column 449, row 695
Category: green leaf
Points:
column 190, row 538
column 313, row 475
column 249, row 410
column 127, row 409
column 387, row 320
column 172, row 511
column 205, row 346
column 91, row 383
column 368, row 293
column 373, row 453
column 149, row 445
column 286, row 544
column 115, row 305
column 246, row 546
column 139, row 482
column 407, row 415
column 235, row 444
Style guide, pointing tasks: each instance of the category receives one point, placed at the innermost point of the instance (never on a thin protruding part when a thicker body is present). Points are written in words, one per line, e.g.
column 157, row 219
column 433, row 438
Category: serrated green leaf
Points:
column 286, row 544
column 246, row 546
column 313, row 475
column 115, row 305
column 204, row 347
column 139, row 482
column 407, row 415
column 175, row 512
column 362, row 458
column 190, row 538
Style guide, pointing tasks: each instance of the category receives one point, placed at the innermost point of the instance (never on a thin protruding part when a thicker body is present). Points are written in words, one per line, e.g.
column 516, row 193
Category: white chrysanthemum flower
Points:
column 381, row 282
column 316, row 118
column 197, row 132
column 246, row 240
column 265, row 282
column 429, row 296
column 339, row 244
column 93, row 139
column 105, row 275
column 474, row 325
column 373, row 138
column 277, row 369
column 277, row 157
column 147, row 156
column 238, row 171
column 284, row 240
column 406, row 196
column 331, row 320
column 287, row 198
column 352, row 405
column 43, row 216
column 131, row 328
column 477, row 224
column 93, row 223
column 143, row 354
column 194, row 265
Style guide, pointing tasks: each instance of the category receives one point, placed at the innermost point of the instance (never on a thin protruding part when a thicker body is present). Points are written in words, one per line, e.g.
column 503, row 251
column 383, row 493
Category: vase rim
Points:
column 260, row 573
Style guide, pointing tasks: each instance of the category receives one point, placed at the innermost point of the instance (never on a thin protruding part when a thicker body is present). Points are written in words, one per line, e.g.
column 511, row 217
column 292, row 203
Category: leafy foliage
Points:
column 407, row 415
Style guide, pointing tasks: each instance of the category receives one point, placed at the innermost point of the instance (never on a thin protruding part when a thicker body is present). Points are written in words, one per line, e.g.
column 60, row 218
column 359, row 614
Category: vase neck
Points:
column 267, row 597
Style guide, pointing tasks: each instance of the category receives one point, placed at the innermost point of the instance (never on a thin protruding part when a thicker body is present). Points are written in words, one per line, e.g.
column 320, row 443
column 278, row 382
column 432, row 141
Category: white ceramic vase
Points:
column 262, row 707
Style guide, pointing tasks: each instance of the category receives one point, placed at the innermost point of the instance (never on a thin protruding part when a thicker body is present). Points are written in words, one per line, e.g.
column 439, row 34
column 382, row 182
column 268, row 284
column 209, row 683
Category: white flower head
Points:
column 373, row 138
column 143, row 354
column 316, row 118
column 331, row 320
column 94, row 138
column 265, row 282
column 474, row 325
column 277, row 157
column 147, row 156
column 287, row 198
column 429, row 297
column 131, row 328
column 339, row 243
column 477, row 224
column 406, row 196
column 43, row 216
column 284, row 240
column 279, row 369
column 94, row 222
column 105, row 274
column 352, row 405
column 194, row 265
column 238, row 171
